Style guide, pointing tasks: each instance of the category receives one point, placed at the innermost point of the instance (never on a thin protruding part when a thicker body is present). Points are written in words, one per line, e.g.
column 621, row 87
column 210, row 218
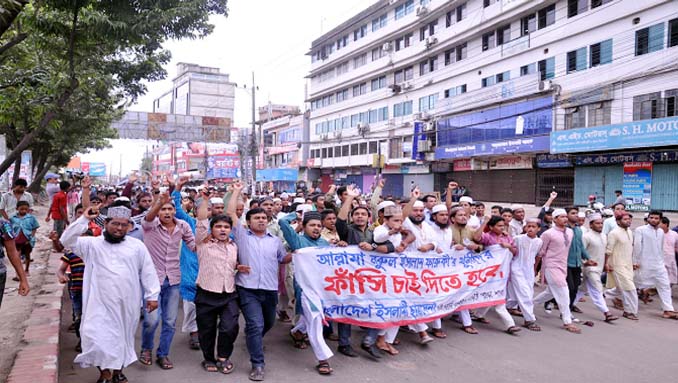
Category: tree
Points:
column 79, row 62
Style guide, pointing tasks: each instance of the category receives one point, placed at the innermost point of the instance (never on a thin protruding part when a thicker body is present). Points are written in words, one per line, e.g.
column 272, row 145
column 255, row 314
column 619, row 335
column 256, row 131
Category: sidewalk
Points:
column 29, row 325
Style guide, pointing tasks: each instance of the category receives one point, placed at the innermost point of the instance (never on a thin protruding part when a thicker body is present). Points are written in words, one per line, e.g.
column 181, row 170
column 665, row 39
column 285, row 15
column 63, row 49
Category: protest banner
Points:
column 385, row 290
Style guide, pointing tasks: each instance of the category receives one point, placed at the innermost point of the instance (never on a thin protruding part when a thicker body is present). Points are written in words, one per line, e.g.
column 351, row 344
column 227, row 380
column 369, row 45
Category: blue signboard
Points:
column 419, row 135
column 97, row 169
column 546, row 161
column 612, row 159
column 282, row 174
column 636, row 134
column 518, row 145
column 213, row 173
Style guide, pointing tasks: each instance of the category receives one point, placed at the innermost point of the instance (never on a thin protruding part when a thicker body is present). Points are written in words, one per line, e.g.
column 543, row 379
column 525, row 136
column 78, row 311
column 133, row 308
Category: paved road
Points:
column 626, row 351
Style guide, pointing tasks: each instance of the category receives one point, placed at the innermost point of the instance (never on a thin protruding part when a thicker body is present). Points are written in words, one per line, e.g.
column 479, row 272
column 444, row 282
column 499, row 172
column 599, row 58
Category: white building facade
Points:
column 479, row 91
column 198, row 91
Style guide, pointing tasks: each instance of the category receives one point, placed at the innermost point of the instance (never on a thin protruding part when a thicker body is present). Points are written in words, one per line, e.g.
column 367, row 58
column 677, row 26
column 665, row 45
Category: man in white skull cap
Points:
column 473, row 221
column 379, row 219
column 119, row 274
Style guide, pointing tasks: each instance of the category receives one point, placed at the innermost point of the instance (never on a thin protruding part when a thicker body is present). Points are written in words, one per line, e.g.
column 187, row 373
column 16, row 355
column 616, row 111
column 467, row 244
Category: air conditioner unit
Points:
column 429, row 127
column 336, row 134
column 544, row 86
column 424, row 116
column 430, row 41
column 323, row 137
column 422, row 11
column 395, row 88
column 387, row 47
column 416, row 116
column 423, row 146
column 363, row 128
column 406, row 86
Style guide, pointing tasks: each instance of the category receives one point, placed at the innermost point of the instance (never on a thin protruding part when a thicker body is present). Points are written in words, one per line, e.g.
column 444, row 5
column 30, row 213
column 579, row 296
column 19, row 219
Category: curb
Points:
column 37, row 360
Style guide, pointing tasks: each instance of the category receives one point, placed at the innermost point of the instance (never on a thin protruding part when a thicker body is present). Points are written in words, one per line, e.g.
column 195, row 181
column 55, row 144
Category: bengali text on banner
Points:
column 384, row 290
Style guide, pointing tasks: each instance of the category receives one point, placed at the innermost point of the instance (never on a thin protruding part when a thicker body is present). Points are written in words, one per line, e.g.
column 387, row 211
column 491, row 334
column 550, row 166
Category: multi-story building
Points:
column 220, row 161
column 273, row 111
column 480, row 91
column 283, row 151
column 198, row 91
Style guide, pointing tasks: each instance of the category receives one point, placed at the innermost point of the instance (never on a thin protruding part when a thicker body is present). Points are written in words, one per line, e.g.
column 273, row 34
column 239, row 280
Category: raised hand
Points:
column 416, row 193
column 452, row 185
column 352, row 191
column 133, row 178
column 86, row 182
column 181, row 182
column 382, row 182
column 164, row 198
column 91, row 213
column 238, row 186
column 554, row 194
column 155, row 184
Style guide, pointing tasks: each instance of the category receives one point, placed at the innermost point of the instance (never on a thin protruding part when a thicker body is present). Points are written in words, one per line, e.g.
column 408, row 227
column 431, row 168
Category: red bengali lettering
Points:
column 408, row 283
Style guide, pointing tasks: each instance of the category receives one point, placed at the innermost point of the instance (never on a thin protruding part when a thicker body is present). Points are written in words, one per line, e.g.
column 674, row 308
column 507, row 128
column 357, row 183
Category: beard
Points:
column 442, row 225
column 416, row 221
column 110, row 238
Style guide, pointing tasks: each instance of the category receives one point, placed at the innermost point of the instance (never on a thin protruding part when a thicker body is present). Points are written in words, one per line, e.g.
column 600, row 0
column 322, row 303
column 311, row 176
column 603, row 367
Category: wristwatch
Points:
column 374, row 246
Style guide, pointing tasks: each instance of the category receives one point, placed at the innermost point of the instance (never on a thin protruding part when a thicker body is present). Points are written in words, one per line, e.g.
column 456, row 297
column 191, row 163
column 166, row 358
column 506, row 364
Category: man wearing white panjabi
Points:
column 118, row 270
column 521, row 279
column 595, row 243
column 648, row 253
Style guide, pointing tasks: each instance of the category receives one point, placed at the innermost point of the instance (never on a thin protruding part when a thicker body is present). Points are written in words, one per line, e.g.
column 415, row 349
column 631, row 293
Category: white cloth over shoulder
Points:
column 115, row 276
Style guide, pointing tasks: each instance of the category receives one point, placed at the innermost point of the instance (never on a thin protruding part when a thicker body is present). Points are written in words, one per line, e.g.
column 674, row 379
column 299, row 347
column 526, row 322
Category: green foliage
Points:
column 73, row 65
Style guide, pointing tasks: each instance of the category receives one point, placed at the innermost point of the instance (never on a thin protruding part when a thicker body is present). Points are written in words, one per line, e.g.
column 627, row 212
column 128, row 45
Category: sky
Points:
column 269, row 37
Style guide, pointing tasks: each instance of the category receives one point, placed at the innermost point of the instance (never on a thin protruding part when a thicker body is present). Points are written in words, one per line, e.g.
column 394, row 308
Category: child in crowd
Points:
column 24, row 226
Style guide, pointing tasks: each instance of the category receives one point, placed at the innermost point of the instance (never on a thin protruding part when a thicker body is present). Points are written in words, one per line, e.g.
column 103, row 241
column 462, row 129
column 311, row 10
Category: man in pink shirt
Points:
column 553, row 255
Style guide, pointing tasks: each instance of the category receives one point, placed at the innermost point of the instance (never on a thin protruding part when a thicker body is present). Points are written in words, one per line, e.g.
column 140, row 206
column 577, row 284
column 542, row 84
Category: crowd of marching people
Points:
column 220, row 252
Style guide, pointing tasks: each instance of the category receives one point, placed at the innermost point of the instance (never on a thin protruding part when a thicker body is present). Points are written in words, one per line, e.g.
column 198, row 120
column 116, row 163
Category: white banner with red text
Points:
column 385, row 290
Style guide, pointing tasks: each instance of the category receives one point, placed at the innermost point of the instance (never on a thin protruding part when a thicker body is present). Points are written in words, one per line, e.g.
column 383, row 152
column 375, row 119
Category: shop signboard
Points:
column 635, row 134
column 637, row 185
column 517, row 145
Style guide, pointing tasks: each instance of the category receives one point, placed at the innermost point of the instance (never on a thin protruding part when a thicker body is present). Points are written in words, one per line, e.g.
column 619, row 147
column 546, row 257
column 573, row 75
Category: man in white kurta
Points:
column 595, row 243
column 521, row 279
column 619, row 266
column 670, row 250
column 648, row 253
column 118, row 270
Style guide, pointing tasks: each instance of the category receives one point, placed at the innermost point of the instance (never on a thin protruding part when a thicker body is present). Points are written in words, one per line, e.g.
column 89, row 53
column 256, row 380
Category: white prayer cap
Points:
column 559, row 212
column 581, row 214
column 184, row 194
column 533, row 220
column 418, row 204
column 277, row 200
column 304, row 208
column 123, row 198
column 438, row 208
column 466, row 199
column 119, row 212
column 595, row 217
column 216, row 201
column 385, row 204
column 299, row 200
column 608, row 212
column 517, row 207
column 284, row 196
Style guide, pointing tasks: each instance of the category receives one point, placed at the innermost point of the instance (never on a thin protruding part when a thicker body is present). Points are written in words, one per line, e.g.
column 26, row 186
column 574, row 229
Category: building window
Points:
column 337, row 151
column 598, row 3
column 528, row 69
column 647, row 106
column 403, row 75
column 503, row 34
column 428, row 65
column 547, row 16
column 360, row 33
column 673, row 33
column 457, row 90
column 600, row 113
column 601, row 53
column 402, row 109
column 354, row 149
column 377, row 53
column 461, row 51
column 449, row 56
column 342, row 42
column 575, row 117
column 363, row 148
column 359, row 61
column 461, row 12
column 487, row 81
column 359, row 89
column 547, row 68
column 324, row 153
column 670, row 103
column 576, row 7
column 404, row 9
column 344, row 151
column 576, row 60
column 378, row 83
column 342, row 68
column 505, row 76
column 373, row 147
column 488, row 41
column 487, row 3
column 379, row 22
column 427, row 103
column 395, row 147
column 403, row 42
column 650, row 39
column 528, row 24
column 428, row 30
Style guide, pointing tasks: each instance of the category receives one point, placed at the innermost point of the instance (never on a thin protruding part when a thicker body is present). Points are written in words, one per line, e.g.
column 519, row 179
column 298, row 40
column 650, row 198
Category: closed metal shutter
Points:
column 600, row 181
column 560, row 179
column 515, row 186
column 393, row 186
column 665, row 187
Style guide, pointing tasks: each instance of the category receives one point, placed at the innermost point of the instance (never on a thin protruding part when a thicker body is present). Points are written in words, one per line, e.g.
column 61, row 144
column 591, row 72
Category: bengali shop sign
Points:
column 384, row 290
column 637, row 185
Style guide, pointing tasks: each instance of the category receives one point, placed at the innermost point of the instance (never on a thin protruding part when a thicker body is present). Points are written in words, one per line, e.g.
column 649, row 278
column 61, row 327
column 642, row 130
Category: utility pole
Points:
column 254, row 147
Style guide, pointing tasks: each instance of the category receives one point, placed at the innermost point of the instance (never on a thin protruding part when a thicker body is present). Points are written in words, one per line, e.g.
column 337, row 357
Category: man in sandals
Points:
column 521, row 279
column 118, row 275
column 163, row 235
column 553, row 255
column 619, row 266
column 648, row 253
column 595, row 242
